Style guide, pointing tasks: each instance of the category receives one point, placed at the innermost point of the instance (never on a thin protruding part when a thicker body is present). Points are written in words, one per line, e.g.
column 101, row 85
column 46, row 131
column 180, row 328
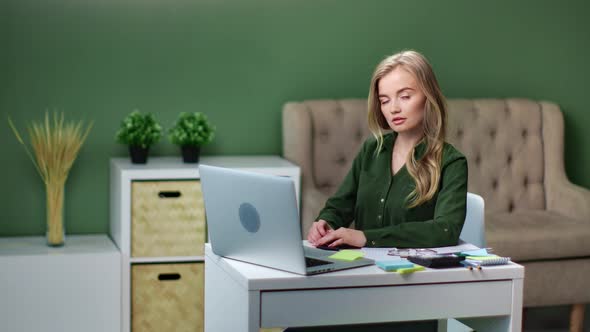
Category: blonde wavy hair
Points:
column 425, row 171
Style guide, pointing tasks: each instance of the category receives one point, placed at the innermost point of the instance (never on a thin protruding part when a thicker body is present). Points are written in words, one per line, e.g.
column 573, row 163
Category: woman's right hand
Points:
column 317, row 230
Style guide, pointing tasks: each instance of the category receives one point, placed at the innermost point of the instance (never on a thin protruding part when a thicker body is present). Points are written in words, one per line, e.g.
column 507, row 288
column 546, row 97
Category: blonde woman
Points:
column 406, row 188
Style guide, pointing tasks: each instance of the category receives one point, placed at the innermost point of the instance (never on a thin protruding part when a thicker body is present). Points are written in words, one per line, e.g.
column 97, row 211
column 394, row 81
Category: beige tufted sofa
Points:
column 514, row 148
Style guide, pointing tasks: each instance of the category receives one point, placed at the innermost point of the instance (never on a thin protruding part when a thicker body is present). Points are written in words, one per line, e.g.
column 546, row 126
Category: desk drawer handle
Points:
column 168, row 276
column 169, row 194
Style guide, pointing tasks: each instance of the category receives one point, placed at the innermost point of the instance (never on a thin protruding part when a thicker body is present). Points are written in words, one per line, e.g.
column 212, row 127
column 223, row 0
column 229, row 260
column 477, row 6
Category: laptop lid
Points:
column 254, row 218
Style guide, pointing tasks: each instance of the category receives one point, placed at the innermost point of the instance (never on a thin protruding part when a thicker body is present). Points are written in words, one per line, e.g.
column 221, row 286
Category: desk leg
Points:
column 228, row 305
column 511, row 323
column 517, row 294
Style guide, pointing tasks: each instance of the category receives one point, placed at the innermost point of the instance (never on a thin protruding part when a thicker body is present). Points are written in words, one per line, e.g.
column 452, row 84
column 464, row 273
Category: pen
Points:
column 471, row 265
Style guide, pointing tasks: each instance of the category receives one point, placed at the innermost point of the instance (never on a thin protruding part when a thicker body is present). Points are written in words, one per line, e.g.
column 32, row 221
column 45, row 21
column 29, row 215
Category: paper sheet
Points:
column 381, row 253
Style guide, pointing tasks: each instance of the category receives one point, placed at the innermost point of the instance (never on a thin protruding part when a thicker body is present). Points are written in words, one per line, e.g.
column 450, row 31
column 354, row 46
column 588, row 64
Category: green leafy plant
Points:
column 191, row 129
column 138, row 129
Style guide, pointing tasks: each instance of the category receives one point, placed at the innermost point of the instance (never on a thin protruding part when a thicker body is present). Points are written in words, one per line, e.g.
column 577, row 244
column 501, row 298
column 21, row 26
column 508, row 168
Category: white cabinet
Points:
column 146, row 201
column 72, row 288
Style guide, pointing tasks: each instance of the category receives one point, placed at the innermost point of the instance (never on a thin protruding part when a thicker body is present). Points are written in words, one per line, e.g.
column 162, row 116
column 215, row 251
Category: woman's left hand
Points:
column 342, row 236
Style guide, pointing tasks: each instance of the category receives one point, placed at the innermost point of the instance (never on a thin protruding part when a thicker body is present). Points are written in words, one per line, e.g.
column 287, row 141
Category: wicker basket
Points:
column 167, row 297
column 167, row 219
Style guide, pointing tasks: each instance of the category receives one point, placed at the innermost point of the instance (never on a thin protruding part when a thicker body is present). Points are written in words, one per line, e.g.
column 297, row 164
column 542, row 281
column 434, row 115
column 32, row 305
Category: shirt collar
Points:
column 389, row 139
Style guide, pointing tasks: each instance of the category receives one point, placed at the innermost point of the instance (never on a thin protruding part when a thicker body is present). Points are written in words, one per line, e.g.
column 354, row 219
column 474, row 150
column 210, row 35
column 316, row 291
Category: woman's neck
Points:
column 407, row 141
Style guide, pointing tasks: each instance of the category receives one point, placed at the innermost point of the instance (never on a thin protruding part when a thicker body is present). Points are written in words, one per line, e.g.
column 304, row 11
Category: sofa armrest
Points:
column 569, row 200
column 313, row 201
column 561, row 195
column 297, row 139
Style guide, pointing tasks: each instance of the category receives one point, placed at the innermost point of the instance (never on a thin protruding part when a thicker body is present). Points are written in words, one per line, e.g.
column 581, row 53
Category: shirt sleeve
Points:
column 449, row 216
column 339, row 210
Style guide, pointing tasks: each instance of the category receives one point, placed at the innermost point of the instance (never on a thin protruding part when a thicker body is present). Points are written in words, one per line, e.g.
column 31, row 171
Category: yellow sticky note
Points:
column 348, row 255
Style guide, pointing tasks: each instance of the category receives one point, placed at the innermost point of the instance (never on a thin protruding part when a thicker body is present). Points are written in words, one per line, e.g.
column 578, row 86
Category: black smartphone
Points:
column 325, row 247
column 344, row 246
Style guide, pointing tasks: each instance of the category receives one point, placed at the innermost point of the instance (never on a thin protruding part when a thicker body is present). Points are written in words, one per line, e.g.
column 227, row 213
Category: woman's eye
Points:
column 405, row 97
column 383, row 102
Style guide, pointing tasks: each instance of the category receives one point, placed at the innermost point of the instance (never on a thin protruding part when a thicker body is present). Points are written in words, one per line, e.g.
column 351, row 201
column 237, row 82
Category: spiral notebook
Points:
column 488, row 260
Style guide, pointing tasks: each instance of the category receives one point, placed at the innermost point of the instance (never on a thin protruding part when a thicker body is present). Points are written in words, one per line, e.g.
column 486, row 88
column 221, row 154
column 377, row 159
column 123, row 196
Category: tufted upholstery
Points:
column 503, row 143
column 339, row 129
column 514, row 149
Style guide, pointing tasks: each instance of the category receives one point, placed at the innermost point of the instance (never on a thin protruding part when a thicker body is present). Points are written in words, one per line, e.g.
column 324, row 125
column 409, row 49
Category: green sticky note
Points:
column 416, row 268
column 347, row 255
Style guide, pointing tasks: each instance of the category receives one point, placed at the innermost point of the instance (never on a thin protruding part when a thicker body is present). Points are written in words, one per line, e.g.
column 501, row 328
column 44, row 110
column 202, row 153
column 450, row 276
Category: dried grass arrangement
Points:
column 55, row 145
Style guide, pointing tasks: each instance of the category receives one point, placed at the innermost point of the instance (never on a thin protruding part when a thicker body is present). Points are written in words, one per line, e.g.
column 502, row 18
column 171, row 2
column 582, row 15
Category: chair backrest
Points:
column 474, row 227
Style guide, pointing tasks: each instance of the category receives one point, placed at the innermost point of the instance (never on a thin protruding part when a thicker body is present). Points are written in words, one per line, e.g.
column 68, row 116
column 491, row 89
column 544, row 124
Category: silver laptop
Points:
column 254, row 218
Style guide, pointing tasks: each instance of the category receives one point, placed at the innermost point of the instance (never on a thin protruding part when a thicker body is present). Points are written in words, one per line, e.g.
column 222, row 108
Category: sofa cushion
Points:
column 526, row 235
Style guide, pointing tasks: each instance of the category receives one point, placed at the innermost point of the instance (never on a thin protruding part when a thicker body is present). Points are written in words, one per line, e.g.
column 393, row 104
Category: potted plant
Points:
column 139, row 131
column 190, row 132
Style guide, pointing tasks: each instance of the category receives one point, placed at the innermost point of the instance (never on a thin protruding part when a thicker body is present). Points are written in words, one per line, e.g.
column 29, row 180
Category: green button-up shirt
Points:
column 377, row 200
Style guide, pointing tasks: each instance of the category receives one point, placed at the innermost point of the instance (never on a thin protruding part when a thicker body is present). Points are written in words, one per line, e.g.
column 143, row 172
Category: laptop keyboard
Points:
column 311, row 262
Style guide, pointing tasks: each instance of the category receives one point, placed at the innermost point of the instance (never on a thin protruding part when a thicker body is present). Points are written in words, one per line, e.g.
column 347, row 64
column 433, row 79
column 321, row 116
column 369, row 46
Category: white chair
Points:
column 474, row 233
column 474, row 227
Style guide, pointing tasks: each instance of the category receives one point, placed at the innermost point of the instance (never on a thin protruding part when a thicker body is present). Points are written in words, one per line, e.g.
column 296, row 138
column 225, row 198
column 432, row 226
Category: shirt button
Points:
column 382, row 200
column 373, row 242
column 446, row 230
column 379, row 216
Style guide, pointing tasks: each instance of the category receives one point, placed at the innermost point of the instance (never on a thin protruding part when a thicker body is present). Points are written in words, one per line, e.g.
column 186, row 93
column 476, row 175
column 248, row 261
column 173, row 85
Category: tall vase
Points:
column 55, row 214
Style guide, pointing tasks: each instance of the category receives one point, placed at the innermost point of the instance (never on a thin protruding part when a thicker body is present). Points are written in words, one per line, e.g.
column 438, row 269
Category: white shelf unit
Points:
column 76, row 287
column 123, row 173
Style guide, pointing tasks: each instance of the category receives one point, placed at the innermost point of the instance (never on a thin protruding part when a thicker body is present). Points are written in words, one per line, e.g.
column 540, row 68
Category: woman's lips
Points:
column 398, row 121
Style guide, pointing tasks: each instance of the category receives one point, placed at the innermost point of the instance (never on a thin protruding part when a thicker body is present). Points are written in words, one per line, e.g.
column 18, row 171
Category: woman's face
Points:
column 402, row 102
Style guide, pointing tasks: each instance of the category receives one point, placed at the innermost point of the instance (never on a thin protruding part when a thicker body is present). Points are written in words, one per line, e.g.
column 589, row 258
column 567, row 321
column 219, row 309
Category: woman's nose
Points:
column 394, row 108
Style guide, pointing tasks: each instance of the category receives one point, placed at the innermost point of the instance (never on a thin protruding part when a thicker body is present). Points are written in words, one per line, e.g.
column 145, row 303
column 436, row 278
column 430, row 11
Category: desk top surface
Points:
column 255, row 277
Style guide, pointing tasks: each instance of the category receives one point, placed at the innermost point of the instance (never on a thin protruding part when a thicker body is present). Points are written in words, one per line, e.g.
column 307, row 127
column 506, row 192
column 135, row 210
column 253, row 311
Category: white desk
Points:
column 255, row 296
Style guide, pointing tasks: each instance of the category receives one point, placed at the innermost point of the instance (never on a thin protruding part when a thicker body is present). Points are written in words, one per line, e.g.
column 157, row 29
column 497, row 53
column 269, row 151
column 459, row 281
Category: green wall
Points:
column 239, row 61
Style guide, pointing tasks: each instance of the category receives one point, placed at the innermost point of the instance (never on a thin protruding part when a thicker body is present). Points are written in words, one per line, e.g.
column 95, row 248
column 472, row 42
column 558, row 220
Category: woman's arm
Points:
column 449, row 215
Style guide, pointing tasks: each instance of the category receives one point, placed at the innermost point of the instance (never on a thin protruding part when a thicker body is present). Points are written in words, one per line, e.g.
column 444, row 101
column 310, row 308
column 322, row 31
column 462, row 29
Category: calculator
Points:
column 437, row 261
